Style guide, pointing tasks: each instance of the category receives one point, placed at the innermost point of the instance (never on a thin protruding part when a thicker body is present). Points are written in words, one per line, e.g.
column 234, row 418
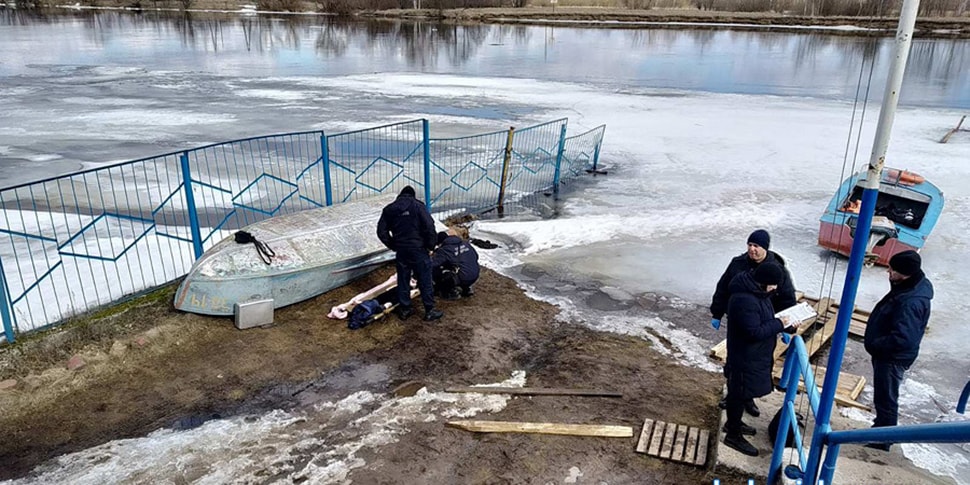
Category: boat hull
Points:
column 316, row 251
column 837, row 238
column 899, row 191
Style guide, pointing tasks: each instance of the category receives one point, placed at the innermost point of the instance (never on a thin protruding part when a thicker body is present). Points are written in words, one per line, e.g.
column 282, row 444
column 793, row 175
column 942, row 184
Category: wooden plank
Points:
column 820, row 337
column 848, row 383
column 645, row 436
column 668, row 444
column 680, row 439
column 858, row 388
column 950, row 133
column 604, row 431
column 690, row 450
column 719, row 351
column 702, row 442
column 657, row 439
column 535, row 391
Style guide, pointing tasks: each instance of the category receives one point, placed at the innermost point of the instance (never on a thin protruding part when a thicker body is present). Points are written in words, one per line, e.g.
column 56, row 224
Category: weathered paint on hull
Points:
column 316, row 251
column 837, row 238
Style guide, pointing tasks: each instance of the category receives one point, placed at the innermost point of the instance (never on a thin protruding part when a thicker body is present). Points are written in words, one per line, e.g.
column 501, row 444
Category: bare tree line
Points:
column 853, row 8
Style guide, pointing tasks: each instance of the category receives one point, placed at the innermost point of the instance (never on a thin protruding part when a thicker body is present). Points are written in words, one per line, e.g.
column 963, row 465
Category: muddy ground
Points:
column 148, row 366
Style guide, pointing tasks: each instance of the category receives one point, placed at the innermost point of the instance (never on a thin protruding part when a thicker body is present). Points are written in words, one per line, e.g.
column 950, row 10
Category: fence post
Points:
column 5, row 308
column 562, row 148
column 190, row 206
column 596, row 152
column 426, row 129
column 505, row 171
column 327, row 187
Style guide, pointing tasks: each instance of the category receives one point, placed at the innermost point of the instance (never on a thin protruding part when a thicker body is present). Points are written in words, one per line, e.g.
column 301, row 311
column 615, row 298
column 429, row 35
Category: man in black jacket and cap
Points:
column 454, row 266
column 406, row 228
column 894, row 332
column 756, row 254
column 751, row 340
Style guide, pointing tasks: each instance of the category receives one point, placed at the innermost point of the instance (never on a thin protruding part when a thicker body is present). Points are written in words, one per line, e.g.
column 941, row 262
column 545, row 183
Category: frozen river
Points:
column 710, row 134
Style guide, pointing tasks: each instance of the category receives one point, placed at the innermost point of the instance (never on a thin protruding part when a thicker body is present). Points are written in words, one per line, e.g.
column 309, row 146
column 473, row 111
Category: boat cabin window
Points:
column 904, row 207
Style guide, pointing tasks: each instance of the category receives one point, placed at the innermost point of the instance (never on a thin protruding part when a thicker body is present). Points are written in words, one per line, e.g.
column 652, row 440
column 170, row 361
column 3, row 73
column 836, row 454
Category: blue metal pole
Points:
column 190, row 206
column 427, row 163
column 904, row 35
column 789, row 379
column 562, row 148
column 327, row 187
column 596, row 154
column 5, row 307
column 962, row 403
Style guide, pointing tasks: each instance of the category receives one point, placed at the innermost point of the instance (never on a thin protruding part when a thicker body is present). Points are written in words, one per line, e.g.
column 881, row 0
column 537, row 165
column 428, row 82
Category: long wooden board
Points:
column 535, row 391
column 598, row 430
column 675, row 442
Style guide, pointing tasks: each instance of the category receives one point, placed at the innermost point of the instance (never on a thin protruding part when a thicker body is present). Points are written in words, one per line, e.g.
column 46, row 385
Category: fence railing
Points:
column 72, row 243
column 818, row 469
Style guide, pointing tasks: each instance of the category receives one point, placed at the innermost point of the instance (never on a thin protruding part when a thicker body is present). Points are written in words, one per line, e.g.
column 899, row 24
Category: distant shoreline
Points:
column 584, row 17
column 595, row 17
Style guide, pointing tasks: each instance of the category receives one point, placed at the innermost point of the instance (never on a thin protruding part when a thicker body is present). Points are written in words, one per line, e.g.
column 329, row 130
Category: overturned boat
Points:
column 313, row 251
column 907, row 208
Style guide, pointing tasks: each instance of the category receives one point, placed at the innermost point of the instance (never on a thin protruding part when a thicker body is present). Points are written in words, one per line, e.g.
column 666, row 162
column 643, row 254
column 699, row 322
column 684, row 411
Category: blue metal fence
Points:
column 818, row 467
column 72, row 243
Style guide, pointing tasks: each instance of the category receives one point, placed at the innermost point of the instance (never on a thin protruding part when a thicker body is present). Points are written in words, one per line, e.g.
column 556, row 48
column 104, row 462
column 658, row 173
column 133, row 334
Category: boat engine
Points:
column 883, row 229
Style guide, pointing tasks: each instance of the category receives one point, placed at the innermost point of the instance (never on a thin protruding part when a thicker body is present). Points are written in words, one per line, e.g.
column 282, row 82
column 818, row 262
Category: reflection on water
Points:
column 803, row 64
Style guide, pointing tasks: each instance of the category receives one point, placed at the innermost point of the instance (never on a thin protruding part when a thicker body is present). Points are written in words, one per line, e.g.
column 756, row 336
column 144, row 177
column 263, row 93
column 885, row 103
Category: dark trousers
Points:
column 735, row 403
column 418, row 262
column 886, row 378
column 445, row 280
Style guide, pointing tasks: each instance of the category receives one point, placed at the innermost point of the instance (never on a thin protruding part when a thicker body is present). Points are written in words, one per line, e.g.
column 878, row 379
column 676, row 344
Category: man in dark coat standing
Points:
column 454, row 266
column 756, row 254
column 751, row 340
column 406, row 228
column 894, row 332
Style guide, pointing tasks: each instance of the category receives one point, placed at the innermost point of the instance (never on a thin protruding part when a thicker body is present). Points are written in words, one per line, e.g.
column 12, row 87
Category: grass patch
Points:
column 96, row 330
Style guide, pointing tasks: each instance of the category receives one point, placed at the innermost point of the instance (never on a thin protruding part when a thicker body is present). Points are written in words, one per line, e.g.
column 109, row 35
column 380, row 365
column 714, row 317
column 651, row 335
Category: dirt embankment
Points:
column 148, row 366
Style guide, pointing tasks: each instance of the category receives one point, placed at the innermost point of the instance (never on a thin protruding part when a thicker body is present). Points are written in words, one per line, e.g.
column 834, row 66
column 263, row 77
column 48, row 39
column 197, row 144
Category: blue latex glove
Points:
column 716, row 323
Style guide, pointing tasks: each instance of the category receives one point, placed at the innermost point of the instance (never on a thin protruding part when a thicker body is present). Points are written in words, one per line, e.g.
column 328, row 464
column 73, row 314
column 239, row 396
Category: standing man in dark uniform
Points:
column 784, row 297
column 752, row 336
column 406, row 228
column 454, row 266
column 894, row 332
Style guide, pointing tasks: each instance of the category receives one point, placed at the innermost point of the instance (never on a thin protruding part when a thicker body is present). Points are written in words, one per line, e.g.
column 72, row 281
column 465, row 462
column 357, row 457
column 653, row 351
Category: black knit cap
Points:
column 761, row 238
column 441, row 237
column 906, row 263
column 408, row 191
column 768, row 274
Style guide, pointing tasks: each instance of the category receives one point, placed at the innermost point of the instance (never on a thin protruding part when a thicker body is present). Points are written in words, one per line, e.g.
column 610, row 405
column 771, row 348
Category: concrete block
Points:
column 253, row 313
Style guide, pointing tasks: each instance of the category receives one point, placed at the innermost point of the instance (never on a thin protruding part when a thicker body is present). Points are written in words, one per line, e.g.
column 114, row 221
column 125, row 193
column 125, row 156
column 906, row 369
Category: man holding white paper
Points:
column 751, row 340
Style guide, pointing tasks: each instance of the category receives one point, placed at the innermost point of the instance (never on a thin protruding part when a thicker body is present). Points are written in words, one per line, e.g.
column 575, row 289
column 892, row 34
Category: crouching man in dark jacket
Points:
column 894, row 332
column 454, row 266
column 406, row 228
column 751, row 340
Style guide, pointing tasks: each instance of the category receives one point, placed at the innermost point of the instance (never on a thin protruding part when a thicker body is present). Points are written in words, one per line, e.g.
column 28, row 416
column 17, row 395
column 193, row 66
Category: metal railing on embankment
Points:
column 72, row 243
column 818, row 469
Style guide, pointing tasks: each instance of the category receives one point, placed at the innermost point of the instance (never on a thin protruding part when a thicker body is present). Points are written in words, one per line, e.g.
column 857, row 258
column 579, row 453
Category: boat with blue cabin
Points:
column 907, row 208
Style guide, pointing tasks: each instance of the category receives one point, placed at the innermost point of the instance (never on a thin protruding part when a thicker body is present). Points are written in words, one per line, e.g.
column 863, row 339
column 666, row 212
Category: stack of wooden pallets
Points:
column 816, row 336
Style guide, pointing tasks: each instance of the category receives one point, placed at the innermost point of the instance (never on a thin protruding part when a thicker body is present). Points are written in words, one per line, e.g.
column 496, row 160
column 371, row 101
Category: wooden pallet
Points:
column 676, row 442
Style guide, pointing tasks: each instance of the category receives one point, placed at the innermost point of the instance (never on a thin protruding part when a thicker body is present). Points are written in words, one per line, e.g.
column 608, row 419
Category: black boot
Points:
column 745, row 429
column 404, row 312
column 879, row 446
column 433, row 314
column 737, row 442
column 467, row 291
column 752, row 409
